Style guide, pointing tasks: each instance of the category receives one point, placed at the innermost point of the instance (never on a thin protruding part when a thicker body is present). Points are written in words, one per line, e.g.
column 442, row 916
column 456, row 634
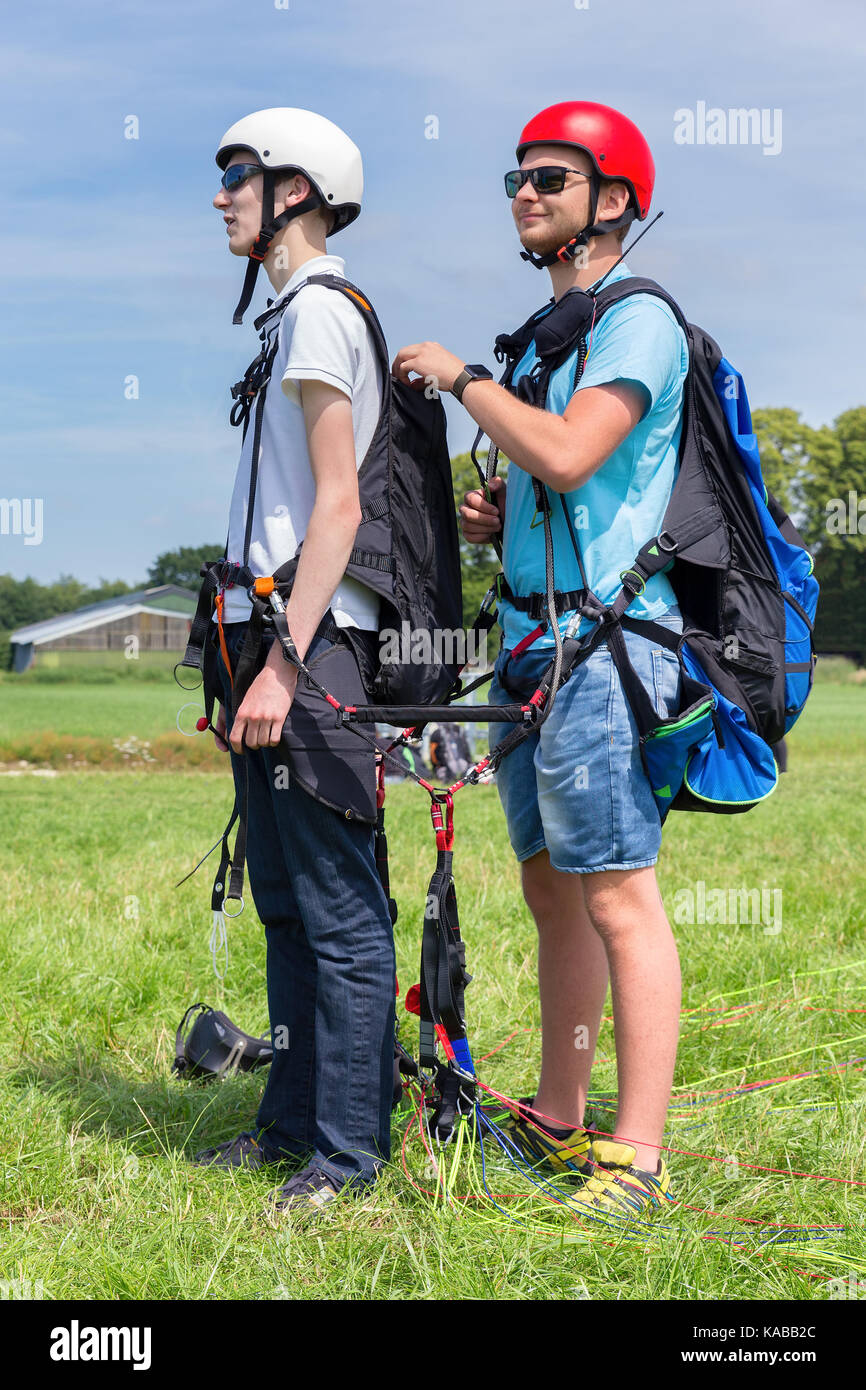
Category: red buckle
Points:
column 443, row 824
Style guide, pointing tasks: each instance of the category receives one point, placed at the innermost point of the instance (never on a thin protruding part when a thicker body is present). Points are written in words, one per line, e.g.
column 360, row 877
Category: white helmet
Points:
column 286, row 137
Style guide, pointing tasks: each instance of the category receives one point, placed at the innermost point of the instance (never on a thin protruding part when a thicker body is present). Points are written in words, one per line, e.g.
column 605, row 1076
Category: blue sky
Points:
column 115, row 264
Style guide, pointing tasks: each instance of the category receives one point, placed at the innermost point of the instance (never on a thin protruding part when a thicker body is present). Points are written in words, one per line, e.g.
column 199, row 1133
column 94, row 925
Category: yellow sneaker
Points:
column 520, row 1133
column 618, row 1189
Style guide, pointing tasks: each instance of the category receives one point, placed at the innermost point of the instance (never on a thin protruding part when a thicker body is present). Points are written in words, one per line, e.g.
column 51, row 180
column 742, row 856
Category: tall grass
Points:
column 101, row 955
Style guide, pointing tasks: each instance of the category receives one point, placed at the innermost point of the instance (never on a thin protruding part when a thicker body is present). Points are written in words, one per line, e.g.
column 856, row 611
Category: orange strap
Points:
column 360, row 298
column 218, row 601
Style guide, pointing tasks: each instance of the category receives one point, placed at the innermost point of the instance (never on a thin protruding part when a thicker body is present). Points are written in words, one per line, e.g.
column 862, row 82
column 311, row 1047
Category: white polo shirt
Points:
column 322, row 337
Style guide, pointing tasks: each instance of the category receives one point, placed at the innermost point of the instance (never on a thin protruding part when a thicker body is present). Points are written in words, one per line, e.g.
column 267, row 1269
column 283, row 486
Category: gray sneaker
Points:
column 305, row 1194
column 244, row 1151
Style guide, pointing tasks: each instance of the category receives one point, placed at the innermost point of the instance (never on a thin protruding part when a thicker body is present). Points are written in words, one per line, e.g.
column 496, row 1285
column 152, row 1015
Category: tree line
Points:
column 819, row 476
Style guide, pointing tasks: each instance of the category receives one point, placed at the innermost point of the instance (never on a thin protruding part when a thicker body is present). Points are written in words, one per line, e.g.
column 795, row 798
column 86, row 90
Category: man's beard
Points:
column 551, row 240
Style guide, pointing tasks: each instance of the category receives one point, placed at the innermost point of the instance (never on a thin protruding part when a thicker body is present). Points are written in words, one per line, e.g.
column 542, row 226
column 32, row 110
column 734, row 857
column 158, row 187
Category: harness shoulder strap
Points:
column 364, row 307
column 636, row 284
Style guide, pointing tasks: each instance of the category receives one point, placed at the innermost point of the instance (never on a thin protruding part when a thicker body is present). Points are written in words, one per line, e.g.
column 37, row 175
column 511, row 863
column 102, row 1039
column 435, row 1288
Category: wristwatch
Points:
column 469, row 373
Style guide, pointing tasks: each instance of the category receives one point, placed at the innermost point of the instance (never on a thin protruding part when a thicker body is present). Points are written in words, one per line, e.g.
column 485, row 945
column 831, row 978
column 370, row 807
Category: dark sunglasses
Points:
column 237, row 174
column 549, row 178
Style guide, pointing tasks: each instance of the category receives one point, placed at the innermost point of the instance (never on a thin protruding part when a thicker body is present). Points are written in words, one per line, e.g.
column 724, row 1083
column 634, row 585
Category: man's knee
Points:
column 619, row 900
column 549, row 894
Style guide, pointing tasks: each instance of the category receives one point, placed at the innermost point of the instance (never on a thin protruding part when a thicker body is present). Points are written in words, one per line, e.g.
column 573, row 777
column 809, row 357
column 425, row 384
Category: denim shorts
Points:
column 577, row 787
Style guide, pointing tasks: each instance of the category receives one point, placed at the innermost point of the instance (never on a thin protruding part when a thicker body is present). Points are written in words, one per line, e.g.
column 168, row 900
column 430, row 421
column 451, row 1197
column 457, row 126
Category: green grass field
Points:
column 101, row 956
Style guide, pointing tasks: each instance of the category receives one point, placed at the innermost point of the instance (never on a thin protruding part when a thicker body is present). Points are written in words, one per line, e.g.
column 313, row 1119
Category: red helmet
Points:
column 613, row 143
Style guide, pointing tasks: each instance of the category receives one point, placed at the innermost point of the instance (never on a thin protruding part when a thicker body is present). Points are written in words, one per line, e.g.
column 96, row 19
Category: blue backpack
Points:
column 740, row 571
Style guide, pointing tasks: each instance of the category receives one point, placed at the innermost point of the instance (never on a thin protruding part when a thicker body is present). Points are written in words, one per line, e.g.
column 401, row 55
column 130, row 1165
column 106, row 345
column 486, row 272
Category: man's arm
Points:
column 565, row 450
column 562, row 451
column 324, row 555
column 336, row 511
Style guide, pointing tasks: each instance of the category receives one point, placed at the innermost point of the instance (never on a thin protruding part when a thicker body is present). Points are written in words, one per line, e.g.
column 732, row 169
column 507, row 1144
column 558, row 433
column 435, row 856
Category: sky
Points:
column 114, row 264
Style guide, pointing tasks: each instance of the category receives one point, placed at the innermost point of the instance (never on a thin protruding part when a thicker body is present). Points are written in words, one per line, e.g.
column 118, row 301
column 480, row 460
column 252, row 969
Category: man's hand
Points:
column 264, row 709
column 428, row 360
column 219, row 737
column 480, row 519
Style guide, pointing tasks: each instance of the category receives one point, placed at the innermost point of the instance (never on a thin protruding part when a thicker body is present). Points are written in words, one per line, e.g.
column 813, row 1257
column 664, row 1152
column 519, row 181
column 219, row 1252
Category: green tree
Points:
column 24, row 601
column 183, row 566
column 837, row 479
column 479, row 563
column 786, row 444
column 21, row 602
column 813, row 472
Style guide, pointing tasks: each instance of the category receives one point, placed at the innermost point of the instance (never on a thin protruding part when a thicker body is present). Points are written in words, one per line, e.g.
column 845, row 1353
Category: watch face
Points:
column 478, row 369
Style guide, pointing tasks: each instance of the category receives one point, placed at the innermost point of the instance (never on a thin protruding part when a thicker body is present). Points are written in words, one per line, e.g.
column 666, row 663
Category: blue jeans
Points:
column 577, row 787
column 330, row 966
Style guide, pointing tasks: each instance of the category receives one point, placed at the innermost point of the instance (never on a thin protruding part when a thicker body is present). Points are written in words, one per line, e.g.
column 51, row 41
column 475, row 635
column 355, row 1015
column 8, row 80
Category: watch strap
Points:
column 471, row 372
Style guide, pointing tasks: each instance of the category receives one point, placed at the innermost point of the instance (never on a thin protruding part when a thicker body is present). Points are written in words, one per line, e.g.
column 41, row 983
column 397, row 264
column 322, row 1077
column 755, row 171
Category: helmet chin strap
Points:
column 260, row 246
column 567, row 253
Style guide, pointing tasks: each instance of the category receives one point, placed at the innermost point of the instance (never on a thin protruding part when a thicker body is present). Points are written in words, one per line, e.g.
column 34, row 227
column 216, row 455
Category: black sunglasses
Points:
column 237, row 174
column 548, row 178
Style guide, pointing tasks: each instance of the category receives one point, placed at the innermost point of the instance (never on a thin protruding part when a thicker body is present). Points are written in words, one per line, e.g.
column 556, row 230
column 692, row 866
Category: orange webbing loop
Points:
column 360, row 298
column 218, row 602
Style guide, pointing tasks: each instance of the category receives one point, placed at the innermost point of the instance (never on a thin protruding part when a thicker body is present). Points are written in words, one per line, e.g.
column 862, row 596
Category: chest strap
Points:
column 535, row 605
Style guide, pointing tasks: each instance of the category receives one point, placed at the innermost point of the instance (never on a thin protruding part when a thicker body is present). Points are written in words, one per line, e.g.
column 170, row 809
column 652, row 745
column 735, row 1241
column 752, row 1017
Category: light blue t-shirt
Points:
column 621, row 506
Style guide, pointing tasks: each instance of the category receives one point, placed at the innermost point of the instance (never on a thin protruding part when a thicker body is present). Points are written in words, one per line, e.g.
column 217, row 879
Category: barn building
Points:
column 147, row 620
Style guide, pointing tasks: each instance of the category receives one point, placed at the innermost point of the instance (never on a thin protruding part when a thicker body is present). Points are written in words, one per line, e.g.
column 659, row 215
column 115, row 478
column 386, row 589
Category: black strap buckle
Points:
column 229, row 573
column 561, row 600
column 538, row 605
column 594, row 610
